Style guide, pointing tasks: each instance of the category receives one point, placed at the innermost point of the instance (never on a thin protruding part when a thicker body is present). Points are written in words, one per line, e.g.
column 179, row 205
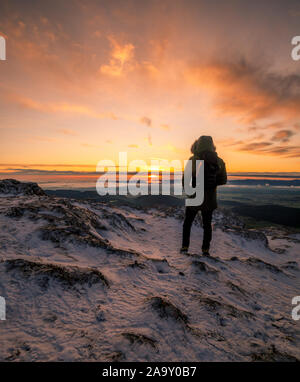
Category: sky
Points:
column 84, row 80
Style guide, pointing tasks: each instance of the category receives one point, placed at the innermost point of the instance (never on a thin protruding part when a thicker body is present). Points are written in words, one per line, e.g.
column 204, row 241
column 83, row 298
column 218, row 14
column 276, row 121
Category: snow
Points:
column 159, row 305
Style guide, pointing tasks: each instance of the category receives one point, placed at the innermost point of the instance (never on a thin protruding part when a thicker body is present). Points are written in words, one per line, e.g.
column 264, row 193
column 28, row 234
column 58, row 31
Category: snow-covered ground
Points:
column 85, row 281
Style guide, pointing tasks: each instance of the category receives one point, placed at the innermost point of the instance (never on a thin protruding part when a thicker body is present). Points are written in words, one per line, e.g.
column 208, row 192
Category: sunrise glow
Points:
column 147, row 78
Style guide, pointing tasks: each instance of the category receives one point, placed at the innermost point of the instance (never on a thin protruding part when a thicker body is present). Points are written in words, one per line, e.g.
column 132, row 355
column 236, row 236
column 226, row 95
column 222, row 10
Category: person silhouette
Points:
column 214, row 175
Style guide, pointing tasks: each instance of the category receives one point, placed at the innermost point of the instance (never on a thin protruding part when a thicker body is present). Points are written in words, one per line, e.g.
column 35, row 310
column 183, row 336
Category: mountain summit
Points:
column 90, row 281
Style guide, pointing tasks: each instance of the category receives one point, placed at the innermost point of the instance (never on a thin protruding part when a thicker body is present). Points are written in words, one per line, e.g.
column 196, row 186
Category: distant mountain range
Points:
column 265, row 181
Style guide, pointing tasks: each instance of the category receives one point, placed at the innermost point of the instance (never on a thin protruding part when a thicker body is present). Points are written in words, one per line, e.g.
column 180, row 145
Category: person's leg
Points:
column 207, row 229
column 190, row 214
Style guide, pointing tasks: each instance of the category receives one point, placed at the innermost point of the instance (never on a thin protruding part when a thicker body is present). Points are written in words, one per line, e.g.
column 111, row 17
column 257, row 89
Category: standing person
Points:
column 214, row 175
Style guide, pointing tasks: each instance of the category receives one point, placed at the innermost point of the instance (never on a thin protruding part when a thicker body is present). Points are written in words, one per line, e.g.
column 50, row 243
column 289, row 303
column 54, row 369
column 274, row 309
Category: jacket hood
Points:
column 204, row 143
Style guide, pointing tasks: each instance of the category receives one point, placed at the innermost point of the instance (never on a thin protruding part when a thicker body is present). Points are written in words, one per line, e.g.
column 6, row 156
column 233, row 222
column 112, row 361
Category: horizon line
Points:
column 31, row 165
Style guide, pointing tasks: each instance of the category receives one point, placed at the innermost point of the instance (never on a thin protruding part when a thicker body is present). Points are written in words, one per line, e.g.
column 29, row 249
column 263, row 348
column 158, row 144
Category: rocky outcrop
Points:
column 67, row 275
column 167, row 309
column 272, row 354
column 141, row 339
column 14, row 187
column 229, row 222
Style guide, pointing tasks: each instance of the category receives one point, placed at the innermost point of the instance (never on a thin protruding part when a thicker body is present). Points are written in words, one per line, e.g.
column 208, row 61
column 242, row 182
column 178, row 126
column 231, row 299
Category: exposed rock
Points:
column 271, row 354
column 116, row 356
column 230, row 222
column 161, row 265
column 14, row 187
column 137, row 264
column 291, row 265
column 236, row 288
column 139, row 339
column 203, row 267
column 62, row 234
column 166, row 309
column 50, row 317
column 213, row 304
column 214, row 334
column 258, row 263
column 225, row 219
column 67, row 275
column 69, row 223
column 118, row 220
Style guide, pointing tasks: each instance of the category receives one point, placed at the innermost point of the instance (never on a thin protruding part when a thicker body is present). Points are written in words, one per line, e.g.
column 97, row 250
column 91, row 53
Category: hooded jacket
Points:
column 215, row 175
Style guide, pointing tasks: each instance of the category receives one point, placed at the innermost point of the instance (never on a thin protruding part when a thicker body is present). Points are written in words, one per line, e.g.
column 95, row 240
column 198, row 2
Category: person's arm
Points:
column 222, row 174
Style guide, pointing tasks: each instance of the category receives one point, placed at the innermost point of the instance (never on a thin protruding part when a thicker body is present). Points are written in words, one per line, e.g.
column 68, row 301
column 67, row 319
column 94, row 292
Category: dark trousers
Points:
column 190, row 214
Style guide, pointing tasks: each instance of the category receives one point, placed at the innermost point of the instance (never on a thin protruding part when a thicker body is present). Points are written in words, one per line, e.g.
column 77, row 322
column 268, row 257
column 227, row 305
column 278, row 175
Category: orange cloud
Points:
column 62, row 107
column 121, row 56
column 147, row 121
column 246, row 92
column 283, row 135
column 265, row 148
